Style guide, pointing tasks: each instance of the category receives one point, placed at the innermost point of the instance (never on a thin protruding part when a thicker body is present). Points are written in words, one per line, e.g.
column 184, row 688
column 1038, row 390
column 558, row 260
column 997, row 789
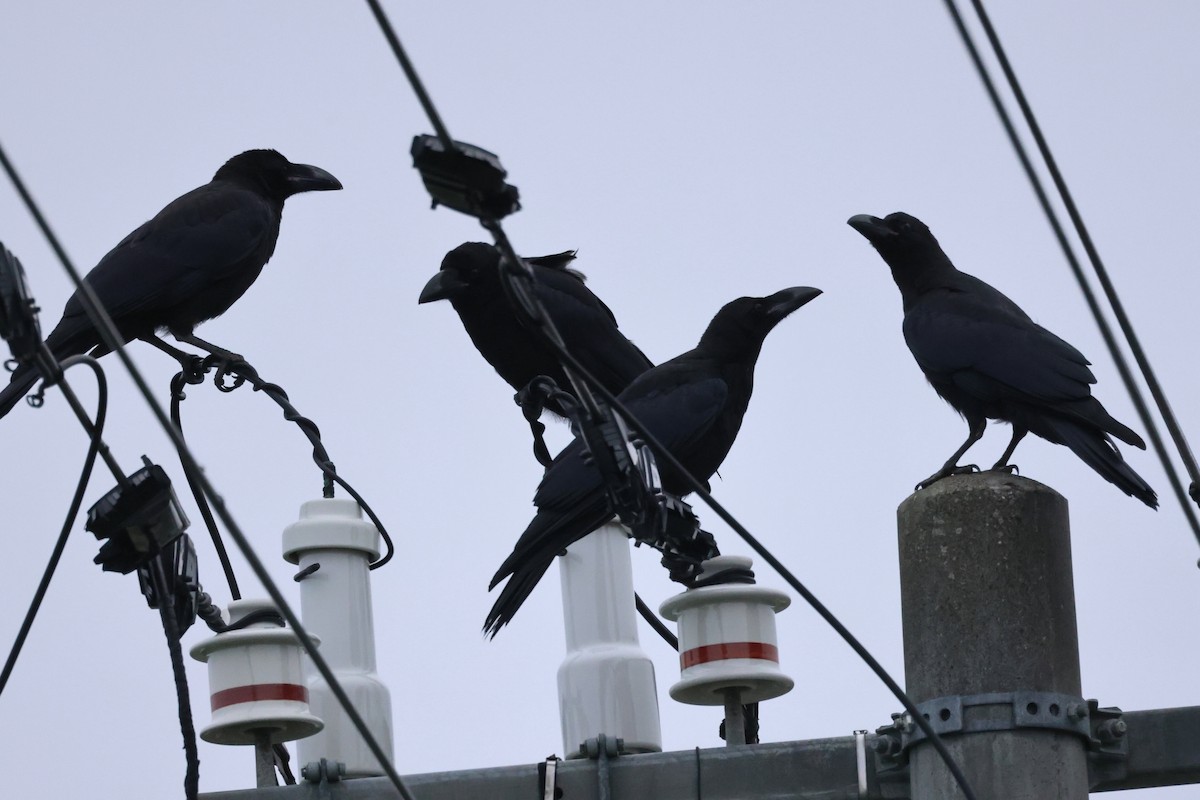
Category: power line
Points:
column 1093, row 255
column 60, row 544
column 529, row 309
column 113, row 341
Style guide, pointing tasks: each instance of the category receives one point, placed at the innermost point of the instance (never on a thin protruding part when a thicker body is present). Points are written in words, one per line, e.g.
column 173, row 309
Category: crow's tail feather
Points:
column 512, row 596
column 1099, row 453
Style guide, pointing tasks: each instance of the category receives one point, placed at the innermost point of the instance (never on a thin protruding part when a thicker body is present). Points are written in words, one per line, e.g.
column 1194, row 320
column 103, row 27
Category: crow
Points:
column 470, row 280
column 188, row 264
column 988, row 359
column 693, row 404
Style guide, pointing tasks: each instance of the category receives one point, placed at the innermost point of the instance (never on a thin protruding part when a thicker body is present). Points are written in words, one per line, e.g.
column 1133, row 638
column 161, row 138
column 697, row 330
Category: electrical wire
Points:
column 89, row 462
column 206, row 514
column 166, row 611
column 580, row 377
column 113, row 341
column 1110, row 291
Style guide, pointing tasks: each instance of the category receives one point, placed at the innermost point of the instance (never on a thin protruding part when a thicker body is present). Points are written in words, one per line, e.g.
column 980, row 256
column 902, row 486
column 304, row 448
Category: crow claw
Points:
column 946, row 472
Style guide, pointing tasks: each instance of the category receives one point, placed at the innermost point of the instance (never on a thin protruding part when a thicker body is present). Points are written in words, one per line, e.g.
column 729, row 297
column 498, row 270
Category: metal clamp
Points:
column 1102, row 728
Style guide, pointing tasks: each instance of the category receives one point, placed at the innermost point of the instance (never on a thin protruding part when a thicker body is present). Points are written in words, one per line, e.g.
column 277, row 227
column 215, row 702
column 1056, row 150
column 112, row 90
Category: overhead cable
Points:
column 1110, row 291
column 527, row 304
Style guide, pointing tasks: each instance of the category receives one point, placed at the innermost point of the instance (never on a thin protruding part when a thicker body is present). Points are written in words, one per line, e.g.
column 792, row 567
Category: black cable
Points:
column 113, row 341
column 410, row 72
column 89, row 462
column 210, row 524
column 654, row 622
column 166, row 611
column 1085, row 238
column 582, row 380
column 244, row 372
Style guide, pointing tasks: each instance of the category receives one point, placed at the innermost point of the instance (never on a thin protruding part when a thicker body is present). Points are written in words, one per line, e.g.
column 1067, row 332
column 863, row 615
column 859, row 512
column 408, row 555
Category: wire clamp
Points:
column 465, row 178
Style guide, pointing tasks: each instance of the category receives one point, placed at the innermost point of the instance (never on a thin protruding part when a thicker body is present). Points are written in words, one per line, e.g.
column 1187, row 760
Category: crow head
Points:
column 273, row 176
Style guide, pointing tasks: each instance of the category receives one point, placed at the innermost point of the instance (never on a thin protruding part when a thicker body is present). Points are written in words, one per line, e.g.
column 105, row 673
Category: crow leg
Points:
column 1002, row 464
column 186, row 360
column 951, row 466
column 209, row 347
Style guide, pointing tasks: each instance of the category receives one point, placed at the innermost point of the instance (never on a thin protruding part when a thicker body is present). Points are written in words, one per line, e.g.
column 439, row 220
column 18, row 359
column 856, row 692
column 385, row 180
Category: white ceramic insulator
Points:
column 727, row 639
column 256, row 682
column 606, row 682
column 335, row 603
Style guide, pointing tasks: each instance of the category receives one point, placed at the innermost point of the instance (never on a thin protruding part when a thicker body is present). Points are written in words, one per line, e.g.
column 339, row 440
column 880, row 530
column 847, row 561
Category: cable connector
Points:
column 140, row 517
column 18, row 311
column 182, row 575
column 467, row 179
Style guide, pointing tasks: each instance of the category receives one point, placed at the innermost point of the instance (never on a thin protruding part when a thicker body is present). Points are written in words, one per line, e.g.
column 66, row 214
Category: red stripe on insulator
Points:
column 728, row 650
column 259, row 691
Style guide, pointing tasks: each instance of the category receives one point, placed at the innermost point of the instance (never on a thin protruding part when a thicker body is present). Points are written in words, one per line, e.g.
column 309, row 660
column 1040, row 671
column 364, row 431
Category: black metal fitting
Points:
column 18, row 311
column 181, row 572
column 139, row 518
column 466, row 178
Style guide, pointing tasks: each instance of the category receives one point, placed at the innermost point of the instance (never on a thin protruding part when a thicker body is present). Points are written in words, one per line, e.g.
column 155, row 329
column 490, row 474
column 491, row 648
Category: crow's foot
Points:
column 946, row 472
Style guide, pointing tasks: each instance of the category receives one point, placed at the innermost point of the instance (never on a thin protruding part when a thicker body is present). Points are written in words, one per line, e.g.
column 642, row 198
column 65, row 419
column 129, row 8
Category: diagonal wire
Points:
column 1101, row 273
column 521, row 298
column 112, row 340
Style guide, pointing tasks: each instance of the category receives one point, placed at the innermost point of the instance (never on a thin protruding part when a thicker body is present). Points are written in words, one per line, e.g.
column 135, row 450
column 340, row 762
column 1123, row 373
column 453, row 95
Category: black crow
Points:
column 470, row 280
column 693, row 404
column 988, row 359
column 188, row 264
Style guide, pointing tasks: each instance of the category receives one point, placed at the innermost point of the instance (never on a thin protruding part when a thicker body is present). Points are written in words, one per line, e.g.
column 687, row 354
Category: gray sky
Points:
column 692, row 152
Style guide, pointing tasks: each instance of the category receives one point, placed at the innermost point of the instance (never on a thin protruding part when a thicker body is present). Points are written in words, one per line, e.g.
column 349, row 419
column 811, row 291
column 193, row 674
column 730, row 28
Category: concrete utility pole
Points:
column 990, row 645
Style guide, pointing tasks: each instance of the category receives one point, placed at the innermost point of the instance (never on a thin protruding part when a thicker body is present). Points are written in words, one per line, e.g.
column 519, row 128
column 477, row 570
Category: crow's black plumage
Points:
column 693, row 404
column 188, row 264
column 470, row 280
column 988, row 359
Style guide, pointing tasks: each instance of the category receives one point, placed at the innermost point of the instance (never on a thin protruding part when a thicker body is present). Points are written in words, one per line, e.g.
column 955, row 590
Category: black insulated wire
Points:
column 166, row 610
column 210, row 524
column 1085, row 238
column 112, row 340
column 89, row 463
column 578, row 375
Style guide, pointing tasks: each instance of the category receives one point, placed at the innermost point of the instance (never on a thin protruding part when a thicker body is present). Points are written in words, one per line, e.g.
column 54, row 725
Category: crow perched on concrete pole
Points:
column 988, row 359
column 188, row 264
column 693, row 404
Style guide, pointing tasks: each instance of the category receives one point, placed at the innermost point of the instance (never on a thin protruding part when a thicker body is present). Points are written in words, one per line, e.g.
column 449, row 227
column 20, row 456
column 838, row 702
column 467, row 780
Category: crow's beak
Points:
column 786, row 301
column 442, row 286
column 873, row 228
column 307, row 178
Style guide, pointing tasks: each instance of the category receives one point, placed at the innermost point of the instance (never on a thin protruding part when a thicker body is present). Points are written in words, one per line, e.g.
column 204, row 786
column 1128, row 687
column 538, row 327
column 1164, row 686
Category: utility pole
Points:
column 991, row 652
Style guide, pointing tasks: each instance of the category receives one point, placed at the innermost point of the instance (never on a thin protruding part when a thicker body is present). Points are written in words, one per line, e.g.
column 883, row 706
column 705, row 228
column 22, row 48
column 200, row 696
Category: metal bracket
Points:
column 323, row 771
column 1101, row 728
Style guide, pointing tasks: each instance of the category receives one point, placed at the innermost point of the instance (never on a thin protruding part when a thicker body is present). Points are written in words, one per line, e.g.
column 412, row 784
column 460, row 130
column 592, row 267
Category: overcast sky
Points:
column 692, row 152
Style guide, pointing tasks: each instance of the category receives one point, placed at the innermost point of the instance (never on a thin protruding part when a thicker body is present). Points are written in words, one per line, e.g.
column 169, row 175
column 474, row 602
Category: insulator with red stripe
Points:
column 727, row 638
column 256, row 681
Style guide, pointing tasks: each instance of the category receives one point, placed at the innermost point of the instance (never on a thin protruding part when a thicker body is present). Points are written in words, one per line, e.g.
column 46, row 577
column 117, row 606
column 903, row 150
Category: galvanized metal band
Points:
column 949, row 716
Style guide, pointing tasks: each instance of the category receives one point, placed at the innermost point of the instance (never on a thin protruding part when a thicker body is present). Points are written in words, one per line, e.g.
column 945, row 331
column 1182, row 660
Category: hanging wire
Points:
column 522, row 298
column 1110, row 291
column 166, row 611
column 89, row 462
column 243, row 372
column 113, row 341
column 210, row 524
